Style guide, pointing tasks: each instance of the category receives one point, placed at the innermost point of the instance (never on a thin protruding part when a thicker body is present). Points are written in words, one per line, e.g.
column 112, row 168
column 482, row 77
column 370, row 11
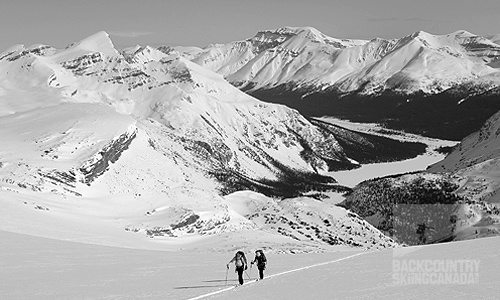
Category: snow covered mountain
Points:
column 435, row 85
column 164, row 137
column 304, row 58
column 495, row 38
column 475, row 164
column 473, row 150
column 161, row 98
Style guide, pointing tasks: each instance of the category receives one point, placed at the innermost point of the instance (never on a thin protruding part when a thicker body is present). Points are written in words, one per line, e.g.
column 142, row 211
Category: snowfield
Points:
column 39, row 268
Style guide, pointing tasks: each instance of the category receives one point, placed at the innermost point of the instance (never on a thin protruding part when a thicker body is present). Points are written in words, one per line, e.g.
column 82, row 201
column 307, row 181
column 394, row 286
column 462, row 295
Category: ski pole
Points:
column 247, row 275
column 227, row 270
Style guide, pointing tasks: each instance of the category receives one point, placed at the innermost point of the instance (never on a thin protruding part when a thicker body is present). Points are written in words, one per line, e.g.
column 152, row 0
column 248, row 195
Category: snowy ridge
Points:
column 495, row 38
column 477, row 148
column 159, row 134
column 306, row 59
column 474, row 164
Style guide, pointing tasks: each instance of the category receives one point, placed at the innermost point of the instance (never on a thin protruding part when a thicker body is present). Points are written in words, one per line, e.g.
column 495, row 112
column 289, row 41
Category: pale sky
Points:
column 200, row 22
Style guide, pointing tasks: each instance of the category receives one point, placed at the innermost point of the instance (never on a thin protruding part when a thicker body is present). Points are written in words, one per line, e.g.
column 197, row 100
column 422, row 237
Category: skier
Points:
column 240, row 262
column 261, row 261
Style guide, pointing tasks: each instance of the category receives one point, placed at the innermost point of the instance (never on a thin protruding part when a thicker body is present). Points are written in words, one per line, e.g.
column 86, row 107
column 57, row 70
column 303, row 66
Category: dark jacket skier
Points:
column 240, row 262
column 261, row 261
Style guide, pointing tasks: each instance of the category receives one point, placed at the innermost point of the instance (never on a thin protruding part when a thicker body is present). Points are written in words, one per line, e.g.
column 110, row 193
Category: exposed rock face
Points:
column 100, row 163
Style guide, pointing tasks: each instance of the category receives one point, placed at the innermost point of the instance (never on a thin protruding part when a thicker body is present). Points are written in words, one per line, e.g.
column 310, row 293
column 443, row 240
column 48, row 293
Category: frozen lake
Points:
column 353, row 177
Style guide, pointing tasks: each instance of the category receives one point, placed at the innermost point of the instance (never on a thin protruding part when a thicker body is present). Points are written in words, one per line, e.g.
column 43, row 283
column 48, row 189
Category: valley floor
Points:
column 39, row 268
column 353, row 177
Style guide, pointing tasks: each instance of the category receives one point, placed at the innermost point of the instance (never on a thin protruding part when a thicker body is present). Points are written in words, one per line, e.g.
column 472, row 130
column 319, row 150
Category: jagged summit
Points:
column 304, row 58
column 462, row 32
column 308, row 33
column 297, row 30
column 421, row 34
column 97, row 42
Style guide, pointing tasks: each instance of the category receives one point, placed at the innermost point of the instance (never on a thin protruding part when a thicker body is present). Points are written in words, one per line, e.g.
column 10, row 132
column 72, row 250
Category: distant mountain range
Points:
column 403, row 82
column 306, row 59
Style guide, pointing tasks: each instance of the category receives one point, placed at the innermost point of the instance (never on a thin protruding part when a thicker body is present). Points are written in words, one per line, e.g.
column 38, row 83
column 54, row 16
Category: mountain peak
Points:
column 98, row 42
column 306, row 32
column 289, row 31
column 462, row 33
column 495, row 38
column 299, row 35
column 298, row 30
column 422, row 34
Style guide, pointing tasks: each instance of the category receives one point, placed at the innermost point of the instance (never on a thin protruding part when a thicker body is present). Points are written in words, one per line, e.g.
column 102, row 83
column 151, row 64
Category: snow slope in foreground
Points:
column 39, row 268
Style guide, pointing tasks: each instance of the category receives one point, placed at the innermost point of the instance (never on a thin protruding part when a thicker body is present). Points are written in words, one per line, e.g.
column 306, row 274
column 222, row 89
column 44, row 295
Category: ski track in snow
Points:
column 278, row 274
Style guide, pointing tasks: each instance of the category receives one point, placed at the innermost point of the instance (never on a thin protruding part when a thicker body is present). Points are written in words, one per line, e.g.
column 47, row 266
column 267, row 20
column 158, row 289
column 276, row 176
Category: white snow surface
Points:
column 39, row 268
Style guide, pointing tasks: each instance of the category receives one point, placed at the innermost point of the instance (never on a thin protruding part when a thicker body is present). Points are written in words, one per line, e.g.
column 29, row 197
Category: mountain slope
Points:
column 463, row 187
column 475, row 162
column 151, row 129
column 195, row 106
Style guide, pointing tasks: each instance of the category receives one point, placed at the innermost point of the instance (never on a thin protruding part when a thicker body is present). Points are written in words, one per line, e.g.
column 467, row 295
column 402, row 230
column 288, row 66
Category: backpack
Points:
column 243, row 258
column 261, row 260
